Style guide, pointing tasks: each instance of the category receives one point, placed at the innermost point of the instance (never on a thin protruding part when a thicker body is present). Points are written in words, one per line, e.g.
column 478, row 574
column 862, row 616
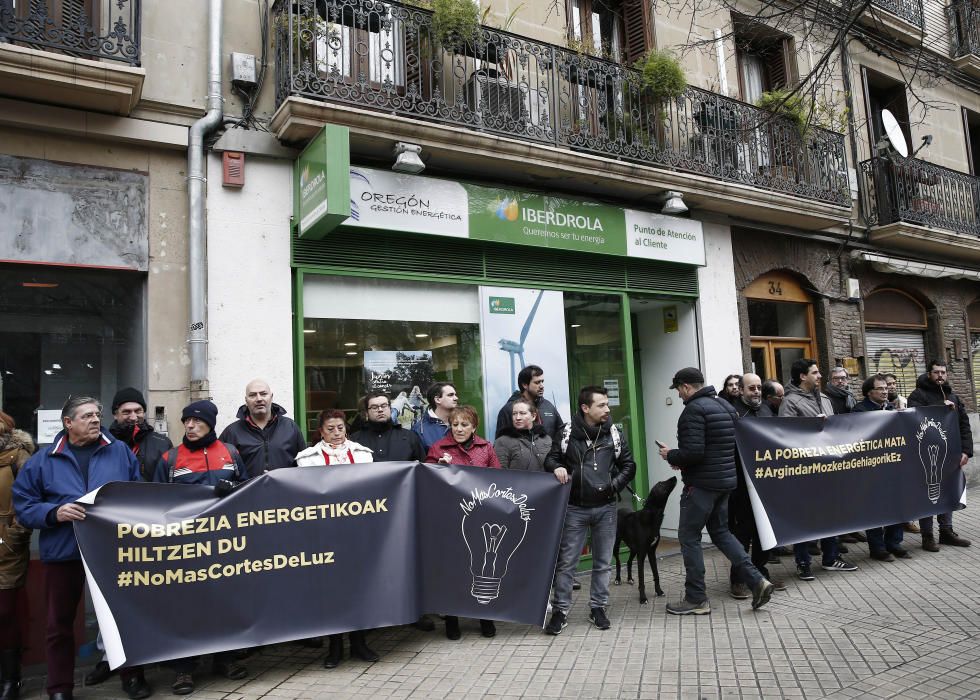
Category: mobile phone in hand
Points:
column 659, row 444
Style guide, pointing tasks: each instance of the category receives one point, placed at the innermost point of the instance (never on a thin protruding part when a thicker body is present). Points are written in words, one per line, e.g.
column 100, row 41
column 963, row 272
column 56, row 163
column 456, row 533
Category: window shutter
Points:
column 637, row 27
column 776, row 73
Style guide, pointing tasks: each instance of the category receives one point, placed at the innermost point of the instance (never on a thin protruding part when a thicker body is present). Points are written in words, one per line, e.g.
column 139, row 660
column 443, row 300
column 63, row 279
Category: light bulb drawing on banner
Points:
column 932, row 455
column 516, row 347
column 494, row 525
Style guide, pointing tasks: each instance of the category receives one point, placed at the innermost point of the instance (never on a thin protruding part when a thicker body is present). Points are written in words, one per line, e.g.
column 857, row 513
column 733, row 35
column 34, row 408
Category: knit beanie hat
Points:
column 128, row 395
column 202, row 410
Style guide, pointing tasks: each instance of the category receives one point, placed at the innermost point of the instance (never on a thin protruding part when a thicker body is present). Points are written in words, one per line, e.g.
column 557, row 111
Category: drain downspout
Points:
column 197, row 338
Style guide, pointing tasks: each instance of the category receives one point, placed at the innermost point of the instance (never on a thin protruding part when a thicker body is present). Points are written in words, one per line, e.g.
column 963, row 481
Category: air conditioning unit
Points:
column 496, row 101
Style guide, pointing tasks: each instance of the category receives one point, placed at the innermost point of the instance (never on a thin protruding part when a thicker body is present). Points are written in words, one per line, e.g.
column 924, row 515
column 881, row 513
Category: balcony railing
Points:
column 94, row 29
column 918, row 192
column 964, row 28
column 909, row 10
column 385, row 56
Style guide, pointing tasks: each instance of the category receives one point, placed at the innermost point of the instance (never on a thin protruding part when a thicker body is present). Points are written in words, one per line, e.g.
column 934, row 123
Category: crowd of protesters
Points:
column 39, row 490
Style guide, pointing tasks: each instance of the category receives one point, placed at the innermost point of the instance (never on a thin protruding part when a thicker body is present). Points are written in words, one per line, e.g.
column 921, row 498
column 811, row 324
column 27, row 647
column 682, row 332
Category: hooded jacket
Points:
column 799, row 403
column 479, row 453
column 52, row 478
column 523, row 449
column 390, row 442
column 148, row 445
column 263, row 449
column 16, row 447
column 547, row 418
column 706, row 442
column 929, row 393
column 589, row 456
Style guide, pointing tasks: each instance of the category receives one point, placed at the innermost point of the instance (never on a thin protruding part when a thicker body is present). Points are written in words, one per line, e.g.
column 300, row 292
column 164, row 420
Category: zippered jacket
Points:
column 207, row 466
column 523, row 449
column 52, row 478
column 807, row 404
column 479, row 454
column 263, row 449
column 706, row 442
column 547, row 416
column 590, row 457
column 929, row 393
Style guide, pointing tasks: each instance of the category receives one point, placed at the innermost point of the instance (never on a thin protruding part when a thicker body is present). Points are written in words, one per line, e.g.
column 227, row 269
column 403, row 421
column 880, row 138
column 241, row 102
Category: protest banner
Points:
column 176, row 571
column 810, row 478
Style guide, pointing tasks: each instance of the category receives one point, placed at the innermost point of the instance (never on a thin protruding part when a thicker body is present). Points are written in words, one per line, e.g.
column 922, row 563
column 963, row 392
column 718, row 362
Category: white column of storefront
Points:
column 250, row 332
column 718, row 307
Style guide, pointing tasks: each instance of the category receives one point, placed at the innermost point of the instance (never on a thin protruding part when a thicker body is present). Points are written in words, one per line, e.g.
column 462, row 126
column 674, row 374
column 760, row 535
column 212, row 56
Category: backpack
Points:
column 172, row 459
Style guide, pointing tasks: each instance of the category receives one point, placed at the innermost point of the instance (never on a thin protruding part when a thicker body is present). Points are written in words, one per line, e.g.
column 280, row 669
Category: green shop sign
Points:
column 502, row 305
column 321, row 199
column 381, row 199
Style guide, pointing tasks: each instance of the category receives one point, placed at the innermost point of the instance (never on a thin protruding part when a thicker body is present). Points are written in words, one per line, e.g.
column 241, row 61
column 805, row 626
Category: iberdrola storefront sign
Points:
column 381, row 199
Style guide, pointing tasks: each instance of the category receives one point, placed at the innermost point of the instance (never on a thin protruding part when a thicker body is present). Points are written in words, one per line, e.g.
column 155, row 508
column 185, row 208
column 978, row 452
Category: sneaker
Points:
column 99, row 674
column 838, row 565
column 685, row 607
column 136, row 688
column 803, row 572
column 232, row 670
column 929, row 542
column 900, row 552
column 778, row 584
column 882, row 556
column 912, row 526
column 598, row 618
column 761, row 593
column 951, row 538
column 739, row 591
column 557, row 623
column 183, row 684
column 576, row 586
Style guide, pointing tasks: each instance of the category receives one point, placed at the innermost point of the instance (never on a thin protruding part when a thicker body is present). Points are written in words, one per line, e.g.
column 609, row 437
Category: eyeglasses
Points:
column 379, row 407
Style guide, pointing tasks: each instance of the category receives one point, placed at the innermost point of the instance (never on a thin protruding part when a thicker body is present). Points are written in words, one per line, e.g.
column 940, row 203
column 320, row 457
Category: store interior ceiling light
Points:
column 48, row 372
column 421, row 335
column 350, row 345
column 55, row 365
column 673, row 202
column 352, row 353
column 309, row 330
column 39, row 285
column 408, row 158
column 576, row 325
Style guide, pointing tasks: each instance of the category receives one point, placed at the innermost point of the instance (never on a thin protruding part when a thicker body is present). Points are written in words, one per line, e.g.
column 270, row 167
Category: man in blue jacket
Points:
column 705, row 456
column 82, row 459
column 434, row 424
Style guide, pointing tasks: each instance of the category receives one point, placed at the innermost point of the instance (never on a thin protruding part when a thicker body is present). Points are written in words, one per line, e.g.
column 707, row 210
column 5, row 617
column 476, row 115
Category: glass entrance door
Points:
column 772, row 359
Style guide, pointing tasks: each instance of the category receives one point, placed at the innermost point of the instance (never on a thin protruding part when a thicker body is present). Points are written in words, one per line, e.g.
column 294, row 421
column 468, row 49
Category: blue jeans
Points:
column 601, row 521
column 828, row 546
column 884, row 538
column 945, row 523
column 699, row 509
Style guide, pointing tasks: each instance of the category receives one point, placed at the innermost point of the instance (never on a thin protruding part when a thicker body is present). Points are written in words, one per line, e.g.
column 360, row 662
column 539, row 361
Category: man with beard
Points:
column 264, row 436
column 839, row 392
column 530, row 382
column 933, row 389
column 730, row 388
column 741, row 522
column 894, row 398
column 592, row 454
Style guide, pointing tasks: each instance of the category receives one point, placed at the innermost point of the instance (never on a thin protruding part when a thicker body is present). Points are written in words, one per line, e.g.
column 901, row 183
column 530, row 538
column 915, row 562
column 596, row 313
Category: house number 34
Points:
column 775, row 288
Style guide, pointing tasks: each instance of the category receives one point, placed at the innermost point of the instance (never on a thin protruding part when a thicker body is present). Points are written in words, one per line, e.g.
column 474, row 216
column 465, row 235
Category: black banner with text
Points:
column 295, row 553
column 813, row 477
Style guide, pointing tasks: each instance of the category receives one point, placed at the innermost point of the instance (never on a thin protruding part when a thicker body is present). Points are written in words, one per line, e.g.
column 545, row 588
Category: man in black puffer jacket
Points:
column 933, row 389
column 706, row 458
column 592, row 454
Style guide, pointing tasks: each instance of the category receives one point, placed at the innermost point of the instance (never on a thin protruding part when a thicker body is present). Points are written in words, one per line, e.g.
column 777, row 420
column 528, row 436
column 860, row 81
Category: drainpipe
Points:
column 197, row 338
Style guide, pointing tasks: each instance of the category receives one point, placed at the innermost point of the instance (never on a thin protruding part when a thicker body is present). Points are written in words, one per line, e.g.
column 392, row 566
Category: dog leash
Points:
column 630, row 489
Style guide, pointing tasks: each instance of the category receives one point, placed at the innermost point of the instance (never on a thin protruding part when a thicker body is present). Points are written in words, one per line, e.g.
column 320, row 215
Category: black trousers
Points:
column 742, row 524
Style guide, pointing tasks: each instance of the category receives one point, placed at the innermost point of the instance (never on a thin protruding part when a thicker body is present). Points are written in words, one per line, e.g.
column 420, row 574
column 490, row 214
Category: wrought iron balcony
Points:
column 917, row 192
column 964, row 28
column 91, row 29
column 385, row 56
column 908, row 10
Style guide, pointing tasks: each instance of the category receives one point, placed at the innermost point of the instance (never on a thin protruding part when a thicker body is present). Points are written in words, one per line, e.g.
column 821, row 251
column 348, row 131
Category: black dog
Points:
column 640, row 531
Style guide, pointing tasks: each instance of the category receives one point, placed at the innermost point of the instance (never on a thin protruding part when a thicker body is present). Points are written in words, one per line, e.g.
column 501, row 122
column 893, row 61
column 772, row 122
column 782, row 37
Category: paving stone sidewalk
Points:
column 907, row 629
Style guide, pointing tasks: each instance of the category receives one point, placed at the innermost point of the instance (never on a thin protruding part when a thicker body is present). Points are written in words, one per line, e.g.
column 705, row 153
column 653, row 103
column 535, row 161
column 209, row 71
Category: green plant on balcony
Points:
column 789, row 106
column 456, row 24
column 662, row 76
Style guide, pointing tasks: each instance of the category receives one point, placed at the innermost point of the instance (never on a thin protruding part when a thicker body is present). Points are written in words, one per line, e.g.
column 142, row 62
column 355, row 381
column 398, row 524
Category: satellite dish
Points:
column 893, row 132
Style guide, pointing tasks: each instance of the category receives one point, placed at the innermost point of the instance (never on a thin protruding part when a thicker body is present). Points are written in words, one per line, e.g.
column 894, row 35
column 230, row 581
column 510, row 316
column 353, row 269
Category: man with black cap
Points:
column 706, row 458
column 263, row 434
column 201, row 459
column 129, row 425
